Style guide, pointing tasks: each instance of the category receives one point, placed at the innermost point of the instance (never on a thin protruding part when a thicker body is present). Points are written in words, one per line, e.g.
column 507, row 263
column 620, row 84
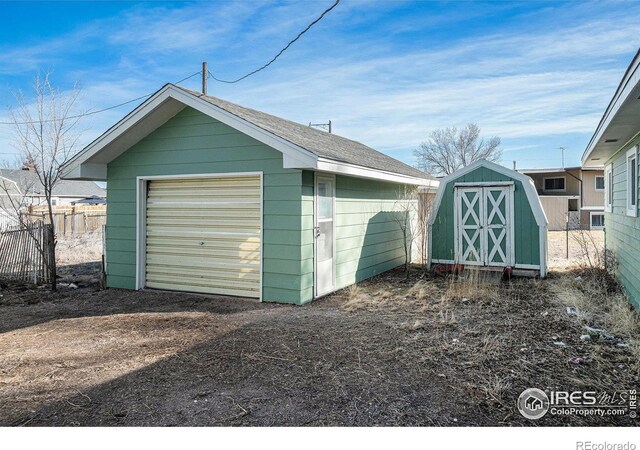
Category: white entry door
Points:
column 484, row 223
column 324, row 235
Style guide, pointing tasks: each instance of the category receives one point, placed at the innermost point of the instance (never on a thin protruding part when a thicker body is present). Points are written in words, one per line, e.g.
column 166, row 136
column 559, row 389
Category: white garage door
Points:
column 203, row 235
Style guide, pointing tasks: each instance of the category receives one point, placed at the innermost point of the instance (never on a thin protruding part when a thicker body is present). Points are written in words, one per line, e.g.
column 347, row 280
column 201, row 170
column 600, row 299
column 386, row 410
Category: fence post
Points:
column 48, row 250
column 34, row 257
column 103, row 280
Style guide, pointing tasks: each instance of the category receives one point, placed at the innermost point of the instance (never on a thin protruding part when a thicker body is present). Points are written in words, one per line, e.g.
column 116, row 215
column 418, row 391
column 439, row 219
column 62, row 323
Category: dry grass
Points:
column 389, row 352
column 79, row 249
column 471, row 285
column 600, row 304
column 492, row 338
column 594, row 293
column 495, row 387
column 557, row 243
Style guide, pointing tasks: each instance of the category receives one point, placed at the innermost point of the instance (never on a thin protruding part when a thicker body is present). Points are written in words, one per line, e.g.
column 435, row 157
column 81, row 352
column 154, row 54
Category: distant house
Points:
column 25, row 186
column 615, row 145
column 94, row 200
column 572, row 196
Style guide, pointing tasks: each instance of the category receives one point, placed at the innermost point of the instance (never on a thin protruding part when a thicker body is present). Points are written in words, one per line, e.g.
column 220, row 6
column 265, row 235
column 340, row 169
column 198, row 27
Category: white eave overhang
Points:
column 91, row 162
column 619, row 124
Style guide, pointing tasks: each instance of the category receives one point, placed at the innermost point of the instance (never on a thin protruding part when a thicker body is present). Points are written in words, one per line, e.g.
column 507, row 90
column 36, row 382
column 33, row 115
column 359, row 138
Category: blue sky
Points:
column 537, row 74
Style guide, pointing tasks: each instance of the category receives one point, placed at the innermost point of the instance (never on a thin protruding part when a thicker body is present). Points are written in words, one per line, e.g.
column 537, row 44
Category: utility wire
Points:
column 90, row 113
column 284, row 49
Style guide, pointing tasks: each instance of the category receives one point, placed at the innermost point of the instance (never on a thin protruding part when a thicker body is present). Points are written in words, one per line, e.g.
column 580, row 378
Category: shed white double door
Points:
column 484, row 222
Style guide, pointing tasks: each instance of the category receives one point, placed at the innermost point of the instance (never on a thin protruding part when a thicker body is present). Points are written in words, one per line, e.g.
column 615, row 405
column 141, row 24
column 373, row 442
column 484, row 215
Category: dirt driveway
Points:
column 392, row 352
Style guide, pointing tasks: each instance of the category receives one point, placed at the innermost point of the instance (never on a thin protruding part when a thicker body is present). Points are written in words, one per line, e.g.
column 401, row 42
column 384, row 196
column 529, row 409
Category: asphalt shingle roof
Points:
column 70, row 188
column 322, row 144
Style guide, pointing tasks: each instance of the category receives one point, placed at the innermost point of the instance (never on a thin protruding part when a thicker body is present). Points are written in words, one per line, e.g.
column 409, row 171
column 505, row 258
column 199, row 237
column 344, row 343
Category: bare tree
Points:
column 406, row 216
column 46, row 136
column 449, row 149
column 426, row 200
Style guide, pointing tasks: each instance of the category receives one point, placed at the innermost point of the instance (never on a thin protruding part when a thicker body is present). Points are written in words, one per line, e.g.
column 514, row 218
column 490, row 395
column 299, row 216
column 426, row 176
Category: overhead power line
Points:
column 90, row 113
column 284, row 49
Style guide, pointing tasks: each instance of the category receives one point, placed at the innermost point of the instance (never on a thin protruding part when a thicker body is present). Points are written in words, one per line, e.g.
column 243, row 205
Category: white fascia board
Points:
column 327, row 165
column 623, row 91
column 554, row 170
column 294, row 156
column 7, row 180
column 293, row 153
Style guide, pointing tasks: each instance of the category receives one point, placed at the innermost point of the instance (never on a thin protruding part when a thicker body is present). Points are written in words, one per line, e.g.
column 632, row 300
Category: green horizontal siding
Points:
column 368, row 239
column 623, row 232
column 193, row 143
column 526, row 230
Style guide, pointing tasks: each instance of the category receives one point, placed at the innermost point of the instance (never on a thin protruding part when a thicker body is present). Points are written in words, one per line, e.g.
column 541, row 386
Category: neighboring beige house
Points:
column 573, row 194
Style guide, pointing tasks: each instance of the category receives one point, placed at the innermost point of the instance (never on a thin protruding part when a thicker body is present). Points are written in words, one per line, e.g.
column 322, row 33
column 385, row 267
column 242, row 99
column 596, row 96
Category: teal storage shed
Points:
column 211, row 197
column 488, row 216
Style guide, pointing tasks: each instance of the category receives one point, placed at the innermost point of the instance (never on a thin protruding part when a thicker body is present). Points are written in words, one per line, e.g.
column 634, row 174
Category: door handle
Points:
column 316, row 232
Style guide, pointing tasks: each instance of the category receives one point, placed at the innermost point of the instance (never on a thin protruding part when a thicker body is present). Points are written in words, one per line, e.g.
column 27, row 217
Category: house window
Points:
column 54, row 201
column 597, row 221
column 608, row 188
column 599, row 183
column 554, row 184
column 632, row 182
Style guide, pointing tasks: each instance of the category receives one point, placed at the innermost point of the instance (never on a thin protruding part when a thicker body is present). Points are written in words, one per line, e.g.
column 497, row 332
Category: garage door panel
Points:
column 226, row 232
column 164, row 241
column 228, row 183
column 202, row 263
column 230, row 282
column 204, row 251
column 189, row 275
column 246, row 219
column 203, row 235
column 202, row 208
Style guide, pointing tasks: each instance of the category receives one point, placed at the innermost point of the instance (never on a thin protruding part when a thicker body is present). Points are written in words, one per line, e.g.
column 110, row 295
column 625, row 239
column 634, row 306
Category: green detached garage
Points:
column 208, row 196
column 488, row 216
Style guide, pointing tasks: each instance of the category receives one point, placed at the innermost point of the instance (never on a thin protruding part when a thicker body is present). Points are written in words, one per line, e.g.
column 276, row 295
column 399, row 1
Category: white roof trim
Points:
column 554, row 170
column 327, row 165
column 294, row 157
column 626, row 86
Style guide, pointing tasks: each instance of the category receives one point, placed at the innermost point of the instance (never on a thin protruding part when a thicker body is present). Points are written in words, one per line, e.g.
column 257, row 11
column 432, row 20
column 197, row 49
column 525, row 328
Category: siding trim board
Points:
column 632, row 181
column 141, row 213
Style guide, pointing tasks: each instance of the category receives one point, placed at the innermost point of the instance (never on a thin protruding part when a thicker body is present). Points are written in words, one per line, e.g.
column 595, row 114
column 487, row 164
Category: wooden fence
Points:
column 7, row 220
column 70, row 220
column 20, row 257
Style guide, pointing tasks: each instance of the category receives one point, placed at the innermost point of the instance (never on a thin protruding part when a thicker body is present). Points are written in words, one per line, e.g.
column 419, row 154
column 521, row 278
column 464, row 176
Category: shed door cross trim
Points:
column 484, row 222
column 471, row 225
column 497, row 245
